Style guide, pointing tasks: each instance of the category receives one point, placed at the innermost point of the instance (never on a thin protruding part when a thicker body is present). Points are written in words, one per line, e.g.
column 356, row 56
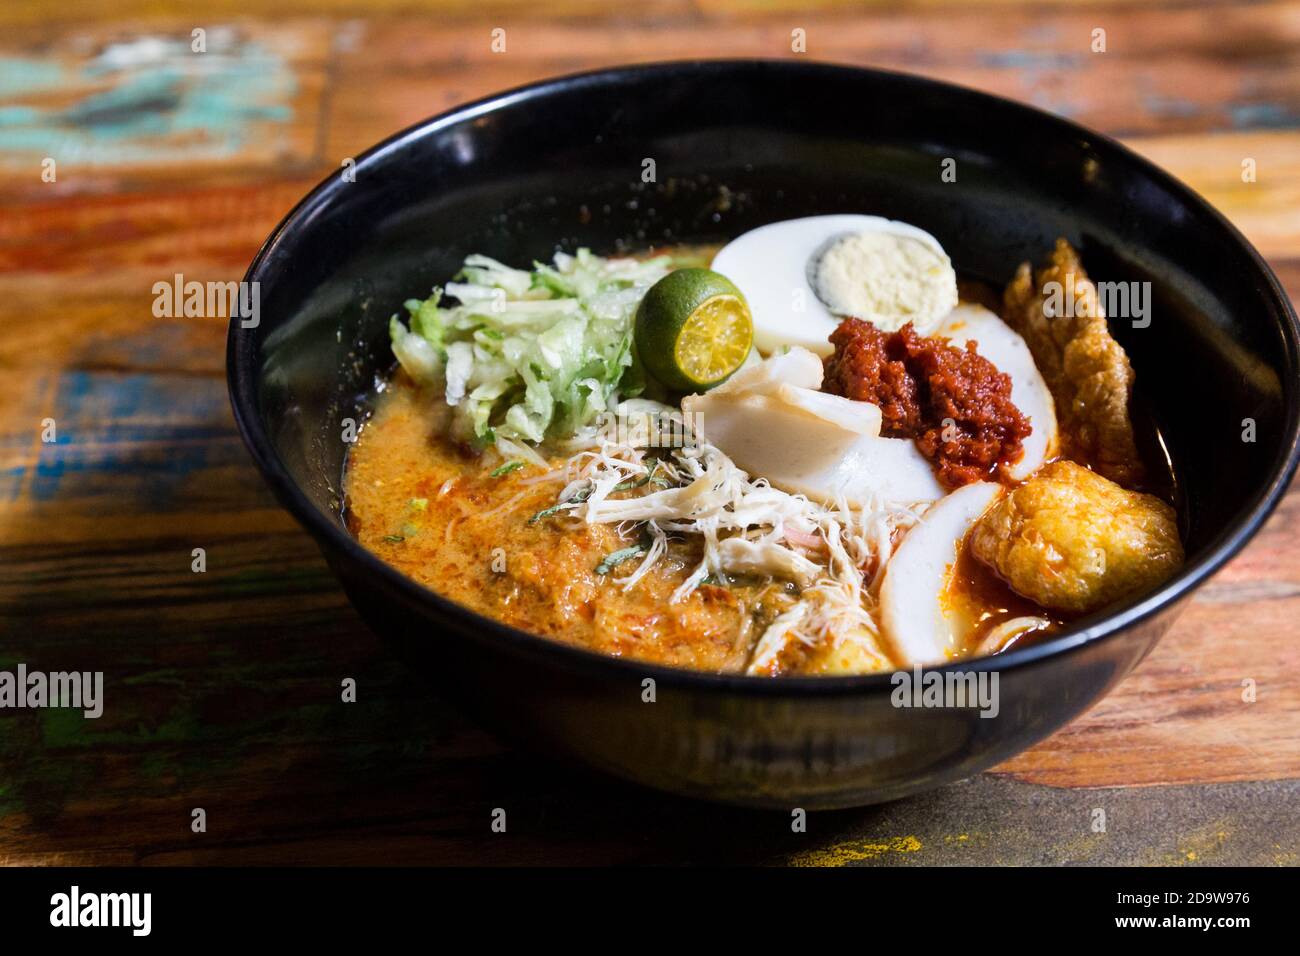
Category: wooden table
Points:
column 223, row 687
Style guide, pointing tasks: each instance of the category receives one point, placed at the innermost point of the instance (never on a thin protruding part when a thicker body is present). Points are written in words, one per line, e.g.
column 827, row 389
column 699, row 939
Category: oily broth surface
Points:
column 473, row 543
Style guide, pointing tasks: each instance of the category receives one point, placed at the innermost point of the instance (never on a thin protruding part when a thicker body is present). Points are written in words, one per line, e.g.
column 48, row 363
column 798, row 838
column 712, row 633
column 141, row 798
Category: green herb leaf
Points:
column 640, row 482
column 611, row 561
column 506, row 469
column 577, row 498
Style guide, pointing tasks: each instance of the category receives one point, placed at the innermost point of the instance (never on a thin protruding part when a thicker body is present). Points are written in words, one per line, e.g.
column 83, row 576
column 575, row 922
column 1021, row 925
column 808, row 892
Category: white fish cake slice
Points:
column 913, row 618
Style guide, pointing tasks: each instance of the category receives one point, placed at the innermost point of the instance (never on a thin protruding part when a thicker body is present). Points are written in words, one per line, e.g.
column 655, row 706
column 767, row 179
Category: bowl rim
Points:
column 241, row 368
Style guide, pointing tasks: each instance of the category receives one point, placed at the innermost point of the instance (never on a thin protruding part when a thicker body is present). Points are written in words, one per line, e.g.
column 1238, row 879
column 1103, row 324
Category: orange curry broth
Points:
column 472, row 542
column 432, row 509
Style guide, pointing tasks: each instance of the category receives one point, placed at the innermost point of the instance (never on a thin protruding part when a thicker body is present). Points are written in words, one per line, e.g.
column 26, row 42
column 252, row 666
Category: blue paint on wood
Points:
column 22, row 75
column 163, row 102
column 1031, row 60
column 1171, row 106
column 131, row 440
column 1264, row 116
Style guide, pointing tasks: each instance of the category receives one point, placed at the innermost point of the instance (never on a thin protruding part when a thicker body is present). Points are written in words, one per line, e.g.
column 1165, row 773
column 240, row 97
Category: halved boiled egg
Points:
column 914, row 619
column 801, row 276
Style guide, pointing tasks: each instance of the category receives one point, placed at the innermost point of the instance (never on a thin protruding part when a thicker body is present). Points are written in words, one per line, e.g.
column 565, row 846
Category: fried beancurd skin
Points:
column 952, row 401
column 1072, row 540
column 1086, row 369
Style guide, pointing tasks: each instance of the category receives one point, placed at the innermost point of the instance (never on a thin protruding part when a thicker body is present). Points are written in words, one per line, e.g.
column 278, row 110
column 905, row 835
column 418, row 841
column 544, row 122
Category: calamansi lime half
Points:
column 693, row 329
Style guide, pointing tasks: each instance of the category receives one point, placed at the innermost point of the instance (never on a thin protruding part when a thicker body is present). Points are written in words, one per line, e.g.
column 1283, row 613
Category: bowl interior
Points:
column 702, row 152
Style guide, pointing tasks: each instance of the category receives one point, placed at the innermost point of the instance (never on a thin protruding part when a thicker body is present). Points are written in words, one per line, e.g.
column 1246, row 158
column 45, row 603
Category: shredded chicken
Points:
column 834, row 554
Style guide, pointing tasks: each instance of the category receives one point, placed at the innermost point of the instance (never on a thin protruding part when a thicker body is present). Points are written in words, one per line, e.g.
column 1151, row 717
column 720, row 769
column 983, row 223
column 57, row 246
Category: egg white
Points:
column 771, row 266
column 913, row 615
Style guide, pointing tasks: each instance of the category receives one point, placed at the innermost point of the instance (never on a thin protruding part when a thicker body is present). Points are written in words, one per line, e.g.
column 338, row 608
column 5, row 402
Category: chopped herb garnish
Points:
column 644, row 480
column 577, row 498
column 418, row 504
column 611, row 561
column 394, row 538
column 505, row 469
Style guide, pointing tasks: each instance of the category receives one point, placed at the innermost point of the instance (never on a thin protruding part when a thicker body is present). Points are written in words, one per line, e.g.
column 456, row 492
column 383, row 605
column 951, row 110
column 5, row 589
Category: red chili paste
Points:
column 952, row 401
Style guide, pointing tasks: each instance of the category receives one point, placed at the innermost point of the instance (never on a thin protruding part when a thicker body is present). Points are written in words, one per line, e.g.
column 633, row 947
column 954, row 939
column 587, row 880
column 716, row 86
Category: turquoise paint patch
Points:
column 1031, row 60
column 1172, row 106
column 1264, row 116
column 165, row 104
column 20, row 75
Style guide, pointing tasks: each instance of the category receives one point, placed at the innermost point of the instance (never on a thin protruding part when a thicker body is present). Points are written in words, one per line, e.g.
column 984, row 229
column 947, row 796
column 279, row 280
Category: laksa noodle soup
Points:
column 812, row 451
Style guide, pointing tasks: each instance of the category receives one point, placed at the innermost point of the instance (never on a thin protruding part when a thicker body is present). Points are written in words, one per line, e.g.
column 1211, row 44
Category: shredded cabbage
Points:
column 523, row 355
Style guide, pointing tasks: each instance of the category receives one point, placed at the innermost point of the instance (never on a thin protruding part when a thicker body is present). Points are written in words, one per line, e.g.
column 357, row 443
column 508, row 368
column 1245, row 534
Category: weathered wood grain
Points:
column 115, row 109
column 226, row 683
column 1212, row 165
column 1166, row 70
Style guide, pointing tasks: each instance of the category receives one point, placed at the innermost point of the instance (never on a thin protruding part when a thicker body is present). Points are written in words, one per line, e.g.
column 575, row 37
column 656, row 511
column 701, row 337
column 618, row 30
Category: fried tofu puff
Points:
column 1086, row 369
column 1071, row 540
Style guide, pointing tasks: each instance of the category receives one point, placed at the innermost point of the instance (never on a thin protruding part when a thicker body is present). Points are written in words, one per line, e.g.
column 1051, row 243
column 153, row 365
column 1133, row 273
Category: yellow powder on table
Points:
column 853, row 851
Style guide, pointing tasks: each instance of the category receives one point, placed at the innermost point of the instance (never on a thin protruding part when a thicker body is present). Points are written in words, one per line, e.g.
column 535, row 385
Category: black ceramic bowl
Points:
column 736, row 144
